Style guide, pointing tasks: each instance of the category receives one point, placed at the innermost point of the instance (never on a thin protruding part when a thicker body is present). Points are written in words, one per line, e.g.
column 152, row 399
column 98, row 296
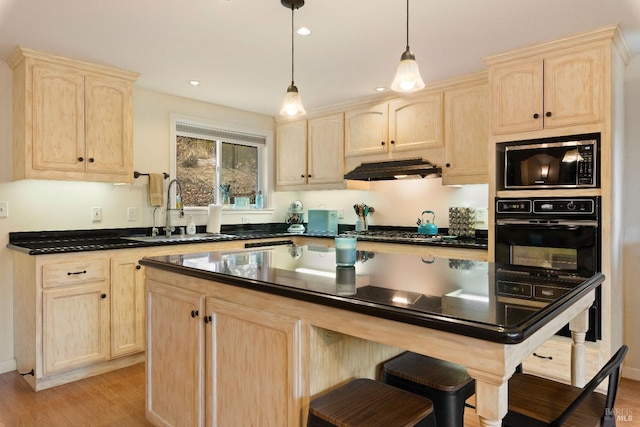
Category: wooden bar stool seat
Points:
column 367, row 403
column 446, row 384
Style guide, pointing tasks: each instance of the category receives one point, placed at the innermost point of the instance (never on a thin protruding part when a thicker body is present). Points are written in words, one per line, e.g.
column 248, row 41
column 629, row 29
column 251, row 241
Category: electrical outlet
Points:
column 96, row 214
column 132, row 214
column 246, row 220
column 340, row 213
column 4, row 209
column 481, row 215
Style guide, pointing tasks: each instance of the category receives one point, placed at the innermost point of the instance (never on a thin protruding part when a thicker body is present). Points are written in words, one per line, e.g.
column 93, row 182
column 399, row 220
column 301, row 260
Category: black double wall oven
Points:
column 547, row 244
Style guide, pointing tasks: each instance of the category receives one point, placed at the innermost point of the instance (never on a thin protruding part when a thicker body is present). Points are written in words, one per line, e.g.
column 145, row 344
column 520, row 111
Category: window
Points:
column 208, row 161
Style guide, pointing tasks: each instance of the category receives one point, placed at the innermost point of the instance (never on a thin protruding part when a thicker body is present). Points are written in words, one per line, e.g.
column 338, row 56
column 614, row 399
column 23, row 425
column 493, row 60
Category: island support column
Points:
column 492, row 397
column 579, row 327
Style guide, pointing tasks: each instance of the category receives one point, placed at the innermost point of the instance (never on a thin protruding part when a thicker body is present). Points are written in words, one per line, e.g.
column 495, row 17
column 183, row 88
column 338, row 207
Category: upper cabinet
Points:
column 310, row 153
column 405, row 124
column 71, row 120
column 548, row 91
column 467, row 133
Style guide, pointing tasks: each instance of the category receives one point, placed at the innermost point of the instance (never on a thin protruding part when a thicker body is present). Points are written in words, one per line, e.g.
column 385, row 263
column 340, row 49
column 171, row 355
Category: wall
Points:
column 632, row 221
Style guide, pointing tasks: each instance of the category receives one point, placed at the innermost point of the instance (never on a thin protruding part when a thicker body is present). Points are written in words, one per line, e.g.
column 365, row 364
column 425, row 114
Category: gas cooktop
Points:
column 397, row 235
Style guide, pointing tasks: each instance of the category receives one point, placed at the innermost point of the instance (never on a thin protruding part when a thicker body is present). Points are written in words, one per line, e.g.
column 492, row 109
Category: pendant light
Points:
column 407, row 77
column 292, row 105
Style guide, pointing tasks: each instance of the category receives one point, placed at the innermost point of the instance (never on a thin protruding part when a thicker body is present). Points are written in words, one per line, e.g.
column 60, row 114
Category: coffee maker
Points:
column 295, row 217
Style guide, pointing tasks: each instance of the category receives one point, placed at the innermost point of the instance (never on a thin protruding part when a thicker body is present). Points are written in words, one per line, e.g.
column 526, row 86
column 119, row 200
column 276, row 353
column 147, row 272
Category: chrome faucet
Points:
column 168, row 228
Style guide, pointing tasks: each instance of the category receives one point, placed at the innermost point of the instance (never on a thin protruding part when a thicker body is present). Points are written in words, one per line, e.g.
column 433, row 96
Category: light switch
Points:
column 4, row 209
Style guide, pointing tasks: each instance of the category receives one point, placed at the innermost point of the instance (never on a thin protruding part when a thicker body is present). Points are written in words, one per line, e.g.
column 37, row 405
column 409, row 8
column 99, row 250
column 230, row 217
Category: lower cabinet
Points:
column 212, row 362
column 127, row 306
column 75, row 323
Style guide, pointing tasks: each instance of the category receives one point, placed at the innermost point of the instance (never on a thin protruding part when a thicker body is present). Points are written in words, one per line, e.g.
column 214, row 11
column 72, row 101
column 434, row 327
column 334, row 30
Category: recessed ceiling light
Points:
column 380, row 89
column 194, row 82
column 303, row 31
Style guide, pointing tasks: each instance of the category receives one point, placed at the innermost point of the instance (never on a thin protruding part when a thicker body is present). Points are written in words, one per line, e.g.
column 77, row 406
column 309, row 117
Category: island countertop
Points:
column 469, row 298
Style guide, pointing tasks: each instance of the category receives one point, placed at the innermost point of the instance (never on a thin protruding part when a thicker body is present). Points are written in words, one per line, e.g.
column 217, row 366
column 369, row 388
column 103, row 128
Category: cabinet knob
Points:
column 194, row 313
column 103, row 296
column 309, row 176
column 81, row 159
column 536, row 115
column 138, row 267
column 548, row 114
column 382, row 143
column 448, row 165
column 91, row 160
column 392, row 141
column 208, row 319
column 302, row 176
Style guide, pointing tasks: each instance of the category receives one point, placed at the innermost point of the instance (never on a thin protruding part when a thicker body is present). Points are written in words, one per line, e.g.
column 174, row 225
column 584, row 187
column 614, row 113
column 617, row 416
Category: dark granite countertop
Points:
column 447, row 294
column 64, row 241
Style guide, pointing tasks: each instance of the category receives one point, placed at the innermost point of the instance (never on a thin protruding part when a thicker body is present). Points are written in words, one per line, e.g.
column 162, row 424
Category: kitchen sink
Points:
column 181, row 237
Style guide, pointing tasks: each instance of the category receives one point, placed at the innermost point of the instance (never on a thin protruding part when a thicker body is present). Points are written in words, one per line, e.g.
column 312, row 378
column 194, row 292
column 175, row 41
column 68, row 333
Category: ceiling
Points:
column 241, row 49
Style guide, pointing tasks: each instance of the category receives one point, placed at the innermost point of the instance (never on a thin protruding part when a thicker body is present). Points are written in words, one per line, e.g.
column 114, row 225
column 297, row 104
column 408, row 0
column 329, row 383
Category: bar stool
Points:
column 367, row 403
column 446, row 384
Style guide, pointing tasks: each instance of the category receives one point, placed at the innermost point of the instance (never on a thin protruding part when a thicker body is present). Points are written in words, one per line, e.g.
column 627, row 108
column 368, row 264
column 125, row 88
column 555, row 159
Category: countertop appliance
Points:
column 565, row 162
column 322, row 221
column 557, row 238
column 295, row 217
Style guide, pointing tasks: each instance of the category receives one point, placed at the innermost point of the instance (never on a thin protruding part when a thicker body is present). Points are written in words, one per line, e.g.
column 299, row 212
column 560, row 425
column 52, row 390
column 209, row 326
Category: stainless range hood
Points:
column 394, row 169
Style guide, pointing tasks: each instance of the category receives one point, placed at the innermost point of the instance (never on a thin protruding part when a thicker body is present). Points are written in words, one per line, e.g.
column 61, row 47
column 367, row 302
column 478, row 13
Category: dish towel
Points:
column 156, row 186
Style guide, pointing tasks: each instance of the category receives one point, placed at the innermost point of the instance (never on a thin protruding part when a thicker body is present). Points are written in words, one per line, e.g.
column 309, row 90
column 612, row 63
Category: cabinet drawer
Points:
column 70, row 273
column 553, row 360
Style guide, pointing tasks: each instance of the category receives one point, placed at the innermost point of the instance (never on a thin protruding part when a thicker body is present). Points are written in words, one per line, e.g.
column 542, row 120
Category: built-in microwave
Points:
column 566, row 162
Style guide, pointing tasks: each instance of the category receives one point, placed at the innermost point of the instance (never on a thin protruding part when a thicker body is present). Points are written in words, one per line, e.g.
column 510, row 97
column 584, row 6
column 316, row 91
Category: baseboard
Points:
column 631, row 373
column 7, row 366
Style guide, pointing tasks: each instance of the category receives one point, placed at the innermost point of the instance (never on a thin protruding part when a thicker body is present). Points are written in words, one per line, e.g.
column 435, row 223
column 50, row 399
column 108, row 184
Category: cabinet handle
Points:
column 138, row 267
column 71, row 273
column 448, row 165
column 208, row 319
column 91, row 160
column 543, row 357
column 103, row 296
column 548, row 114
column 536, row 115
column 382, row 143
column 81, row 159
column 194, row 313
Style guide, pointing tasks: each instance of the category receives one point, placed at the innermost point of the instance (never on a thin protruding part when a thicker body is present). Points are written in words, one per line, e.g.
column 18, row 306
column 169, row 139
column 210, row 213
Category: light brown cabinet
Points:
column 127, row 306
column 558, row 89
column 310, row 154
column 71, row 120
column 230, row 364
column 402, row 125
column 175, row 356
column 467, row 134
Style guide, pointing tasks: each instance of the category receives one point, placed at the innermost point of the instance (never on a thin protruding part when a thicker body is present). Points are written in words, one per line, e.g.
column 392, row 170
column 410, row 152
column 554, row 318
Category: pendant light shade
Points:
column 292, row 105
column 407, row 77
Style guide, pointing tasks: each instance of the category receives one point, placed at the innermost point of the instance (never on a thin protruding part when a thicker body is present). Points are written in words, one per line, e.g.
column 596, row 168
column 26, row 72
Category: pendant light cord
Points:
column 292, row 50
column 407, row 24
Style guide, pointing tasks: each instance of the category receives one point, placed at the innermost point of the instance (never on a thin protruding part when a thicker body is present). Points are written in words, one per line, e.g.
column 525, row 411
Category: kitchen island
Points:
column 248, row 337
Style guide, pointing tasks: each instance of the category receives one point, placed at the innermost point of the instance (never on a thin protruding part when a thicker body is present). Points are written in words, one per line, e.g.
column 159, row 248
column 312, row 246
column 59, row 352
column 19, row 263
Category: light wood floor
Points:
column 117, row 399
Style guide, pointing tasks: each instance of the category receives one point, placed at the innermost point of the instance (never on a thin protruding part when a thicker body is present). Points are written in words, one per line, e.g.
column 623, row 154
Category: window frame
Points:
column 264, row 155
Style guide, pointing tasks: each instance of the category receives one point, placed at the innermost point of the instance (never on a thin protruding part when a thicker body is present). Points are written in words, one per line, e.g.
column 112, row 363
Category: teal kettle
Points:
column 427, row 227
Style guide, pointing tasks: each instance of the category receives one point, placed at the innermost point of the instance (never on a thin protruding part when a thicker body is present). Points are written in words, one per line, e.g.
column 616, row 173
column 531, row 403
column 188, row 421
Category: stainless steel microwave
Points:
column 571, row 163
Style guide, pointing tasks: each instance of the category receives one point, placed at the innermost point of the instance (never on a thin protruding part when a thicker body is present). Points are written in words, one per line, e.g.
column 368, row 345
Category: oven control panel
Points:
column 540, row 207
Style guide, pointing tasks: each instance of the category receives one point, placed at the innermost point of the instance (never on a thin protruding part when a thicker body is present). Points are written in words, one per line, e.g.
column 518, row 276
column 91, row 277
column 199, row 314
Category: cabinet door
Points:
column 416, row 124
column 516, row 92
column 127, row 306
column 291, row 153
column 175, row 355
column 326, row 149
column 574, row 88
column 366, row 131
column 75, row 326
column 109, row 124
column 467, row 130
column 253, row 367
column 58, row 119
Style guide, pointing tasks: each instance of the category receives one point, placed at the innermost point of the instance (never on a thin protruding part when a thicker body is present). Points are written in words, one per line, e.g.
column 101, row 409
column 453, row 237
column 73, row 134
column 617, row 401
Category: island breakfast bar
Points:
column 248, row 337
